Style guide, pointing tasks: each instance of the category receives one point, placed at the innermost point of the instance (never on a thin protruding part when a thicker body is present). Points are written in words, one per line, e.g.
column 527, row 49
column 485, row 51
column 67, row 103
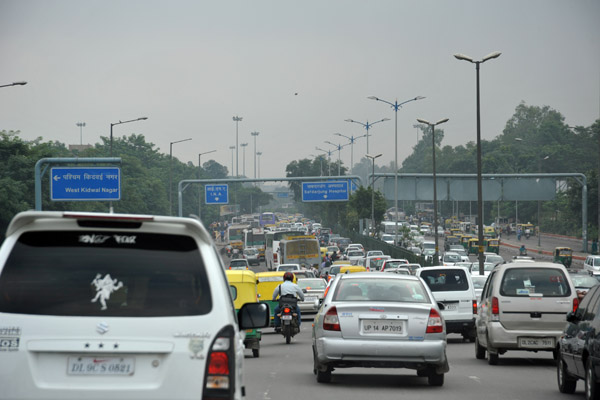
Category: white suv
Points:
column 101, row 306
column 592, row 263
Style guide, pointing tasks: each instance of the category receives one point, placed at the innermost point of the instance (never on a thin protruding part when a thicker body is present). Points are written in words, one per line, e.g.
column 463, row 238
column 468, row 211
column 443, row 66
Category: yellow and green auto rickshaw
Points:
column 489, row 232
column 242, row 284
column 464, row 240
column 266, row 282
column 563, row 255
column 493, row 246
column 473, row 247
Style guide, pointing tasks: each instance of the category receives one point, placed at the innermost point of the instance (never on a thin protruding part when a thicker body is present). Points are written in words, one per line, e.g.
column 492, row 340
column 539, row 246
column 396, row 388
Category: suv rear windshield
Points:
column 75, row 273
column 445, row 280
column 550, row 282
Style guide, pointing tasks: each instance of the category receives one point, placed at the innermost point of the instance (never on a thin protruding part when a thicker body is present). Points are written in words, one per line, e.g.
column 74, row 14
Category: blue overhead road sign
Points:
column 216, row 194
column 85, row 184
column 325, row 191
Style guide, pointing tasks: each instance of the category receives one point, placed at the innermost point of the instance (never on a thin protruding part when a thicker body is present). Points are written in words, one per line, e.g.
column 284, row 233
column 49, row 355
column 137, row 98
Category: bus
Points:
column 267, row 219
column 235, row 233
column 256, row 238
column 272, row 245
column 304, row 250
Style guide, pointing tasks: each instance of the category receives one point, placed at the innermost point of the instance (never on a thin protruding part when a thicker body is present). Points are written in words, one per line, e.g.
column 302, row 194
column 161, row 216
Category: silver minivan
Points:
column 114, row 306
column 453, row 289
column 523, row 307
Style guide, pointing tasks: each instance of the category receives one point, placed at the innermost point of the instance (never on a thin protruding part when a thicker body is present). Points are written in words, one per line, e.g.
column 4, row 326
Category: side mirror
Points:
column 254, row 315
column 441, row 306
column 571, row 317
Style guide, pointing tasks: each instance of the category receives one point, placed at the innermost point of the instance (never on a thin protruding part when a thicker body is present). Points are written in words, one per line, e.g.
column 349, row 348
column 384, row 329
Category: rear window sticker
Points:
column 196, row 346
column 93, row 239
column 104, row 287
column 10, row 338
column 523, row 291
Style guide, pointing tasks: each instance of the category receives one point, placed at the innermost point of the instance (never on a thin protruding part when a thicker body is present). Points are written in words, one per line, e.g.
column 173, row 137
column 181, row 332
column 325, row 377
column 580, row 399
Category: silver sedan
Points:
column 381, row 321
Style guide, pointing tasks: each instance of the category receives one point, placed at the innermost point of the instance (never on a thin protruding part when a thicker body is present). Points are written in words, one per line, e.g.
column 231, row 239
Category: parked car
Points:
column 579, row 348
column 453, row 288
column 523, row 307
column 252, row 255
column 96, row 305
column 359, row 318
column 314, row 289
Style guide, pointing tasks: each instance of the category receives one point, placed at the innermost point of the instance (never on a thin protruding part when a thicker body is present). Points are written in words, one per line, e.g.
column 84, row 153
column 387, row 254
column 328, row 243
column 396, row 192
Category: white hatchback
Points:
column 113, row 306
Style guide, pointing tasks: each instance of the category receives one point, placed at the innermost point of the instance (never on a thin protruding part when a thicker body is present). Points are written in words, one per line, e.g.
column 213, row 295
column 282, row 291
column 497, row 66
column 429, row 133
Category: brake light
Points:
column 275, row 257
column 475, row 307
column 286, row 310
column 434, row 323
column 331, row 322
column 575, row 303
column 219, row 381
column 495, row 306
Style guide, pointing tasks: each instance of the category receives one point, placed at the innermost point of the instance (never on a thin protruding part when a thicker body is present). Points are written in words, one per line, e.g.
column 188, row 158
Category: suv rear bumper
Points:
column 501, row 338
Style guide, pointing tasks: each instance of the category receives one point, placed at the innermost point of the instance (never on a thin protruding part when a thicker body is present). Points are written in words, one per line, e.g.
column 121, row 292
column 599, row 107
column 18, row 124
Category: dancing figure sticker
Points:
column 104, row 288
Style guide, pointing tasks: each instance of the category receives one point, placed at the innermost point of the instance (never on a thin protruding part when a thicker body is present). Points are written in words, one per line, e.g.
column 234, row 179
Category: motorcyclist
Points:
column 287, row 288
column 522, row 250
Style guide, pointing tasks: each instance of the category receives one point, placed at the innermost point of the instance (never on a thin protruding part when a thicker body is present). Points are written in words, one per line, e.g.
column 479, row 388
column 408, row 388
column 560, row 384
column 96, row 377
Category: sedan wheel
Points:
column 492, row 358
column 479, row 350
column 435, row 379
column 566, row 384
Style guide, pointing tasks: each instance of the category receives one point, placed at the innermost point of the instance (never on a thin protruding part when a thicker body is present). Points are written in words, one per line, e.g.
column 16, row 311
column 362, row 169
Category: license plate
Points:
column 101, row 366
column 310, row 299
column 536, row 343
column 450, row 306
column 382, row 327
column 285, row 317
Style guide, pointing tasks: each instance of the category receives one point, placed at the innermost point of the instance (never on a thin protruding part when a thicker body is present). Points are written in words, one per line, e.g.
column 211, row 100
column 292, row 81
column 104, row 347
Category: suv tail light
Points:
column 331, row 322
column 275, row 257
column 474, row 307
column 575, row 303
column 434, row 323
column 219, row 379
column 495, row 309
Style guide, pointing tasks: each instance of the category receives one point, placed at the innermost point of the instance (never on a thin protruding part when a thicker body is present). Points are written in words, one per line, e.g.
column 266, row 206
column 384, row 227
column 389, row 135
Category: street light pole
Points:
column 372, row 231
column 237, row 120
column 367, row 126
column 328, row 152
column 435, row 214
column 171, row 173
column 339, row 149
column 395, row 105
column 119, row 123
column 352, row 139
column 255, row 134
column 479, row 185
column 259, row 153
column 232, row 148
column 80, row 125
column 244, row 158
column 199, row 176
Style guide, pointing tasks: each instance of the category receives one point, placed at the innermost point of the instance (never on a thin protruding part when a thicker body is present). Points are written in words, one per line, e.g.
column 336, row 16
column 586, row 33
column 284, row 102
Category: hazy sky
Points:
column 190, row 66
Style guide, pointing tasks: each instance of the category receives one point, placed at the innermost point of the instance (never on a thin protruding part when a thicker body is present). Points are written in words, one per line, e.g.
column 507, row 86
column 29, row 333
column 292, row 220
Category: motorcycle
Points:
column 288, row 317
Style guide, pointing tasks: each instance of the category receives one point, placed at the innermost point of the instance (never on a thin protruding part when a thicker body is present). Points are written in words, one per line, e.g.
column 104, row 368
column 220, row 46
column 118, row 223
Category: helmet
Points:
column 288, row 276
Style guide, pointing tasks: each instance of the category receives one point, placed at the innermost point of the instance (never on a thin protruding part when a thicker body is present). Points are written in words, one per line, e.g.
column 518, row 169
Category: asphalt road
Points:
column 285, row 372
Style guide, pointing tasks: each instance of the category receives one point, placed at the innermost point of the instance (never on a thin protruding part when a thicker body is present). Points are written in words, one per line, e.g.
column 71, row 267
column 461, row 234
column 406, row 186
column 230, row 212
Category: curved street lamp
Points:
column 367, row 126
column 435, row 217
column 328, row 152
column 199, row 186
column 463, row 57
column 119, row 123
column 339, row 149
column 21, row 83
column 395, row 105
column 352, row 139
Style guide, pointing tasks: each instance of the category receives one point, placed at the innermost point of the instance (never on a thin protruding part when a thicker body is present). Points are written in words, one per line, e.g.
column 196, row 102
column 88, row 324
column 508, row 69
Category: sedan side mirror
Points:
column 571, row 317
column 441, row 306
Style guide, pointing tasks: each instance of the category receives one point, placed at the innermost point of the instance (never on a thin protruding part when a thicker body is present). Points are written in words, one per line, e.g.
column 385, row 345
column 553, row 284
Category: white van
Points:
column 113, row 306
column 523, row 307
column 453, row 288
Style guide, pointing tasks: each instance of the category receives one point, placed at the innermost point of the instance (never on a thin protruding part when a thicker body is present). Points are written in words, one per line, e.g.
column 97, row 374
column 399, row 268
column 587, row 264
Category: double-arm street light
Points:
column 395, row 105
column 14, row 84
column 372, row 231
column 171, row 173
column 367, row 126
column 255, row 134
column 328, row 152
column 462, row 57
column 435, row 216
column 352, row 139
column 119, row 123
column 339, row 149
column 237, row 120
column 199, row 176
